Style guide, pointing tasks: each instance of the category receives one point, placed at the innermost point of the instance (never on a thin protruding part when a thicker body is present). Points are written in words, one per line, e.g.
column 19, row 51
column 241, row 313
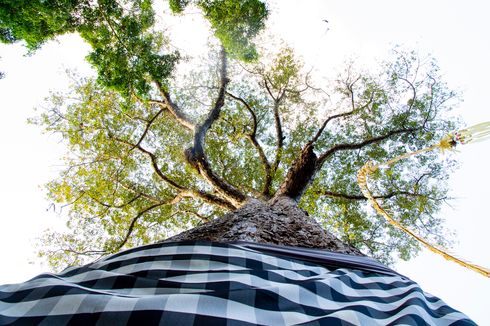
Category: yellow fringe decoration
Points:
column 471, row 134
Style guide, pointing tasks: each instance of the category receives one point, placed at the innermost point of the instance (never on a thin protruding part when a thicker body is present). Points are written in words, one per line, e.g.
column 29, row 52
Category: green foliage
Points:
column 110, row 182
column 107, row 183
column 283, row 71
column 126, row 53
column 414, row 189
column 37, row 21
column 235, row 23
column 178, row 6
column 128, row 181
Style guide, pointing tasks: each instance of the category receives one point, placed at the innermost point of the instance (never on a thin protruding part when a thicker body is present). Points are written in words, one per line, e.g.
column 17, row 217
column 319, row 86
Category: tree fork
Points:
column 196, row 156
column 199, row 162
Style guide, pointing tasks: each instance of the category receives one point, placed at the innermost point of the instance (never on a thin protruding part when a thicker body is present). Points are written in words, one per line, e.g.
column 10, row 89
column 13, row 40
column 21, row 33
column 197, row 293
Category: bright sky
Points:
column 454, row 32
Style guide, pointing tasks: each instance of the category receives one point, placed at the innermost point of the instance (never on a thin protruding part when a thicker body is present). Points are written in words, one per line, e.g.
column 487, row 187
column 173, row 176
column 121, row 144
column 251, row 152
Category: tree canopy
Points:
column 156, row 146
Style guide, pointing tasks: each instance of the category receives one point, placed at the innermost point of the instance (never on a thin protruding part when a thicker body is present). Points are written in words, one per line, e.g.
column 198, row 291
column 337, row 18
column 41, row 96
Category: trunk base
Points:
column 281, row 222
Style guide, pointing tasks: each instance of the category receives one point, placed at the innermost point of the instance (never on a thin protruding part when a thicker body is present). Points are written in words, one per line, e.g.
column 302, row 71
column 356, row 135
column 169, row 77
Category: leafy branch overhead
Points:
column 234, row 23
column 155, row 149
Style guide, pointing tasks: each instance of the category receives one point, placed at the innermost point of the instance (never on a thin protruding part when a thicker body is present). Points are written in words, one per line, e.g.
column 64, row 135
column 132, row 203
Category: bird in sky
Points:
column 328, row 27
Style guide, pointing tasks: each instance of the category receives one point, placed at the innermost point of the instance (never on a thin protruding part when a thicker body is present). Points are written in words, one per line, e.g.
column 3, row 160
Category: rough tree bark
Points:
column 275, row 221
column 279, row 221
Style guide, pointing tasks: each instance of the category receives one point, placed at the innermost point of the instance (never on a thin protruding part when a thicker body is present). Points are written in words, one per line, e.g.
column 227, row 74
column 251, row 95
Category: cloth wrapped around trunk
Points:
column 207, row 283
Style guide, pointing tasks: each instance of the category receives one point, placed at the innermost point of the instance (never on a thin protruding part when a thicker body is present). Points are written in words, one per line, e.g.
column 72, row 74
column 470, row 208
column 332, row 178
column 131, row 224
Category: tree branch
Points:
column 196, row 155
column 299, row 176
column 352, row 146
column 203, row 218
column 411, row 102
column 279, row 133
column 277, row 122
column 82, row 253
column 266, row 84
column 154, row 162
column 129, row 202
column 132, row 189
column 136, row 218
column 147, row 127
column 209, row 198
column 249, row 109
column 173, row 108
column 340, row 115
column 113, row 30
column 253, row 139
column 172, row 201
column 335, row 116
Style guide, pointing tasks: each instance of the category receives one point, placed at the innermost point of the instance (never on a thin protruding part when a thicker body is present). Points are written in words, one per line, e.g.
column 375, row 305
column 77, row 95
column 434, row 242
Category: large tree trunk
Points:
column 279, row 222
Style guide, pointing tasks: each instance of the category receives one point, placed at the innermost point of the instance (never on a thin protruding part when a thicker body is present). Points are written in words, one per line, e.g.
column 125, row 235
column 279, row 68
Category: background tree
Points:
column 152, row 153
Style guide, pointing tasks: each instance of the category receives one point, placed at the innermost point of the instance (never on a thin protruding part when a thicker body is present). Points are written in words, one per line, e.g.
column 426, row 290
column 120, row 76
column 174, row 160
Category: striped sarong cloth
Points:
column 205, row 283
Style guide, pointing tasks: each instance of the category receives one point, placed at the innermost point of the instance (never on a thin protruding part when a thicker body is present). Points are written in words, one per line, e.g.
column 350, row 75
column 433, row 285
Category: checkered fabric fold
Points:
column 204, row 283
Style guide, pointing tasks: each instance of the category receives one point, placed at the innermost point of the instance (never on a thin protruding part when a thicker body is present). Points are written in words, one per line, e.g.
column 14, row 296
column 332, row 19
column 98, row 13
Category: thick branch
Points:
column 173, row 108
column 172, row 201
column 154, row 163
column 299, row 175
column 266, row 84
column 352, row 146
column 277, row 122
column 213, row 115
column 209, row 198
column 279, row 134
column 196, row 155
column 253, row 139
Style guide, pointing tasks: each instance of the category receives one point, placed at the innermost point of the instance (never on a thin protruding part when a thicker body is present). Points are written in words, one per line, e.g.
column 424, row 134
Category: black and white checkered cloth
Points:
column 203, row 283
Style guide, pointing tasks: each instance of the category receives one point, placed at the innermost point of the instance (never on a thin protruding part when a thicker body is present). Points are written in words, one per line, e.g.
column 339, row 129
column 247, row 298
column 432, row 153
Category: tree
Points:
column 155, row 149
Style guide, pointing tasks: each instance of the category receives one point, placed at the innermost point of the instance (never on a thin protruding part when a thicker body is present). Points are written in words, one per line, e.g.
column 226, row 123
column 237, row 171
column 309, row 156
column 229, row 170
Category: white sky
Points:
column 454, row 32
